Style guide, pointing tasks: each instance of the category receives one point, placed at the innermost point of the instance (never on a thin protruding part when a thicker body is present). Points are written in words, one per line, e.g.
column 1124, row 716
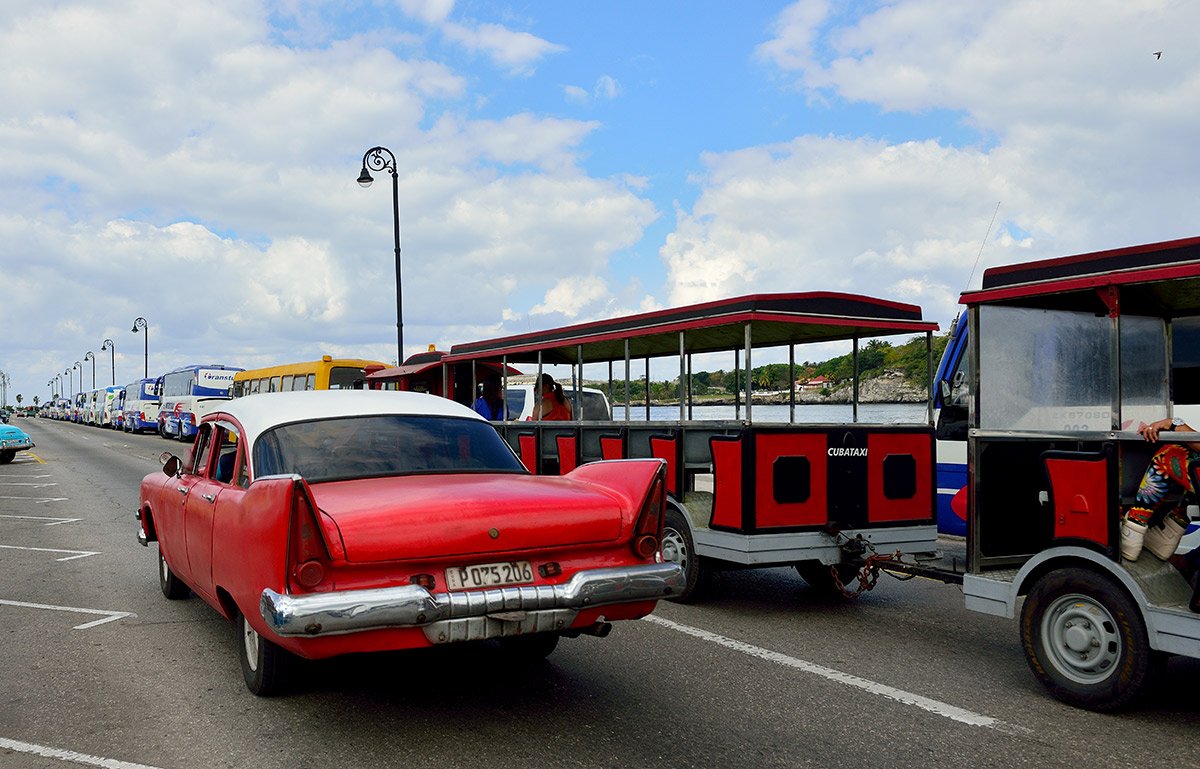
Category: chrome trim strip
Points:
column 350, row 611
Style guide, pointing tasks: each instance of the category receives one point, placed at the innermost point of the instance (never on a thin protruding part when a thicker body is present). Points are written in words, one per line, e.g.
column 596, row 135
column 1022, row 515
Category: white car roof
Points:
column 261, row 412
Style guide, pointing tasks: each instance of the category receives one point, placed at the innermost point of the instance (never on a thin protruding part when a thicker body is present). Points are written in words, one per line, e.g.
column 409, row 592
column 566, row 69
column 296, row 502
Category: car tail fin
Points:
column 648, row 528
column 308, row 553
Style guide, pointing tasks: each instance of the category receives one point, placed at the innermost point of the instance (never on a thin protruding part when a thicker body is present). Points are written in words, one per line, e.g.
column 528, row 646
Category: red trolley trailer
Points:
column 743, row 493
column 1068, row 357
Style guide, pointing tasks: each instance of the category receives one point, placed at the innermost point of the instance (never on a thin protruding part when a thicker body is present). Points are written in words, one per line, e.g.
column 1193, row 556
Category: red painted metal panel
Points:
column 612, row 447
column 919, row 506
column 568, row 454
column 769, row 447
column 666, row 448
column 727, row 483
column 1079, row 491
column 528, row 445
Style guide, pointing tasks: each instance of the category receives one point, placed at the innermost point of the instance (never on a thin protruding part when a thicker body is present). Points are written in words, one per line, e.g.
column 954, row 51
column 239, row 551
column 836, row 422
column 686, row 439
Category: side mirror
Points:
column 171, row 464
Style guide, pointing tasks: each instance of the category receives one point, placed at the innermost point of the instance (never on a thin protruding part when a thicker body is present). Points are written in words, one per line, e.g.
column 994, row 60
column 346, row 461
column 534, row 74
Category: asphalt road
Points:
column 98, row 669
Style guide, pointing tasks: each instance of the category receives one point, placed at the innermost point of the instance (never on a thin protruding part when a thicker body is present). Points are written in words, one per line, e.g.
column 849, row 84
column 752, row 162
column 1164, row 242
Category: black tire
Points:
column 679, row 547
column 266, row 668
column 172, row 586
column 530, row 648
column 7, row 456
column 1085, row 640
column 820, row 576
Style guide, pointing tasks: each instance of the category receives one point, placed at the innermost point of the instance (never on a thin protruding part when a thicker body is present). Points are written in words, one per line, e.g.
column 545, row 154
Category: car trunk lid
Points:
column 438, row 516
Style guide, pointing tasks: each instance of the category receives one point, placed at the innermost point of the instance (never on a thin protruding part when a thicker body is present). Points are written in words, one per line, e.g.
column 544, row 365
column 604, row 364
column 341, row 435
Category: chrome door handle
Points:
column 181, row 489
column 209, row 497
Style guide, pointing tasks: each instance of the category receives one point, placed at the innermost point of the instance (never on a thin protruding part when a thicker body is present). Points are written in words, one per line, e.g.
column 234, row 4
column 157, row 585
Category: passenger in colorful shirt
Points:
column 1164, row 485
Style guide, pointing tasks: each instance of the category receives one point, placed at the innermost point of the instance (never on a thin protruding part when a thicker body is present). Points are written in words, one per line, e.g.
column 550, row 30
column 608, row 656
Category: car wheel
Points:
column 265, row 666
column 172, row 586
column 678, row 547
column 1085, row 640
column 530, row 648
column 820, row 576
column 7, row 456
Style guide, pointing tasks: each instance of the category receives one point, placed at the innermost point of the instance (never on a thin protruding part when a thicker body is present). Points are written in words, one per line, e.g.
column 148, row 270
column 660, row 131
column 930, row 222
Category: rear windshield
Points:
column 373, row 446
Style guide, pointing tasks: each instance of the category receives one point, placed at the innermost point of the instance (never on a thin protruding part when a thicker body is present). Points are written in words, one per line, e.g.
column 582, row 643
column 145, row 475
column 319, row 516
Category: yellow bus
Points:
column 326, row 374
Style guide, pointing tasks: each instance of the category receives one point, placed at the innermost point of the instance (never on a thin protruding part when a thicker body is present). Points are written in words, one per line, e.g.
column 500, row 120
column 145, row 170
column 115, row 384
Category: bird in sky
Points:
column 1158, row 54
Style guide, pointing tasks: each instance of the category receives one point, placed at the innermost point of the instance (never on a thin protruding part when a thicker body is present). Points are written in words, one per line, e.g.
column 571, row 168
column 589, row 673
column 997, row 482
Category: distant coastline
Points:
column 890, row 388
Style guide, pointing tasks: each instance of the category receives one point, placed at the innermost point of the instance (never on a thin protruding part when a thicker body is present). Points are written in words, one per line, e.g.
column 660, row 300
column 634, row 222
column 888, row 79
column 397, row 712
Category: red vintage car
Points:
column 332, row 522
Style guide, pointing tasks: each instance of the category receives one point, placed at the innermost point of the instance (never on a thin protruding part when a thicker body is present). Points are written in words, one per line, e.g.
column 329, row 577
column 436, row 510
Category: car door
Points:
column 197, row 510
column 215, row 484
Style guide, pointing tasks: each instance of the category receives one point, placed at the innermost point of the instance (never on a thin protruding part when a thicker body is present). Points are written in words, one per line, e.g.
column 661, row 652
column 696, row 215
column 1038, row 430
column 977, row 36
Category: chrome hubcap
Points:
column 1081, row 638
column 250, row 640
column 674, row 547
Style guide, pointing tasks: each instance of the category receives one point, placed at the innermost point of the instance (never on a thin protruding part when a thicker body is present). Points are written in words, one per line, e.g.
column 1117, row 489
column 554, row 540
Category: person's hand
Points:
column 1150, row 432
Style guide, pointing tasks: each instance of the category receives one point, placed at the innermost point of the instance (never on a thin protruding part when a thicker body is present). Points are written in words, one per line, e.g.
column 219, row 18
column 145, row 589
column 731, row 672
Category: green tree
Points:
column 20, row 398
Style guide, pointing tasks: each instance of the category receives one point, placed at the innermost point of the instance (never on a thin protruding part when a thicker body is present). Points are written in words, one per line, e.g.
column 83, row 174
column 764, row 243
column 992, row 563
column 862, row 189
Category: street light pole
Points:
column 92, row 357
column 79, row 366
column 142, row 324
column 112, row 357
column 375, row 160
column 70, row 384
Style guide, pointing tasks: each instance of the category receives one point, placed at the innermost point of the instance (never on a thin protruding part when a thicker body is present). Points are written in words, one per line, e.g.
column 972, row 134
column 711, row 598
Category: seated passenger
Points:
column 552, row 402
column 1163, row 485
column 489, row 403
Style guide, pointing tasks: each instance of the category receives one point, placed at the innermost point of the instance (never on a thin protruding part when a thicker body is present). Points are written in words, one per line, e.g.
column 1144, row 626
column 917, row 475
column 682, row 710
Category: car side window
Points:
column 202, row 450
column 227, row 455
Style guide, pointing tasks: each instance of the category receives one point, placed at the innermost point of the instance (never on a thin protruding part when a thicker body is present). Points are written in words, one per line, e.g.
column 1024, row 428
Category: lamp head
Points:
column 365, row 178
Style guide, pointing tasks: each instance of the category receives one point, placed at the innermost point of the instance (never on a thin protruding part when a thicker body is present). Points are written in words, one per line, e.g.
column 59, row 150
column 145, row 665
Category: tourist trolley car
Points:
column 1067, row 358
column 822, row 497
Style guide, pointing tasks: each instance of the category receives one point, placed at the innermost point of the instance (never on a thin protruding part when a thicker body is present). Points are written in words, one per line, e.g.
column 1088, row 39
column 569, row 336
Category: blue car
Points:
column 12, row 440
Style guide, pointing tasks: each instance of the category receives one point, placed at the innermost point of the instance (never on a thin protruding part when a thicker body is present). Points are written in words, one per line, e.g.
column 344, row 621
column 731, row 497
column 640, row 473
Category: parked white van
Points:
column 519, row 399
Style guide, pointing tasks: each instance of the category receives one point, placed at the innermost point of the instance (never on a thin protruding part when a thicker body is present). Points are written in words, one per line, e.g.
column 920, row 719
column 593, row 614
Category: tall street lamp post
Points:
column 112, row 357
column 382, row 159
column 142, row 324
column 70, row 384
column 92, row 357
column 79, row 366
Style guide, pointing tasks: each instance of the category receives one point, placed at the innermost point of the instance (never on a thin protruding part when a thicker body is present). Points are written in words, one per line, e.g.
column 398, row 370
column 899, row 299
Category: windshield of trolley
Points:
column 1056, row 371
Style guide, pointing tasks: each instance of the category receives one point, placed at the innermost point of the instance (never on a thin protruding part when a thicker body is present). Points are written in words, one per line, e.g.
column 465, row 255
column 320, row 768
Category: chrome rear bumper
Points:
column 467, row 615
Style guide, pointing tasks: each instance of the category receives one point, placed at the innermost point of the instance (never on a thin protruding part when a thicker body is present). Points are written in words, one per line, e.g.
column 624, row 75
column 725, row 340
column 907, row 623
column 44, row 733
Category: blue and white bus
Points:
column 141, row 405
column 190, row 392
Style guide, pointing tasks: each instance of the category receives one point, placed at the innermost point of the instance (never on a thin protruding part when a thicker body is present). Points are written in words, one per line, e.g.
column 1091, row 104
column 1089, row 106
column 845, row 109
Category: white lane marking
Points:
column 78, row 553
column 68, row 755
column 32, row 485
column 39, row 500
column 109, row 616
column 55, row 521
column 23, row 475
column 907, row 698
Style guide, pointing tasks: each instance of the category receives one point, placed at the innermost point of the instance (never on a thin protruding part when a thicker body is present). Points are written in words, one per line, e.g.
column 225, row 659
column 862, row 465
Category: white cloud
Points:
column 512, row 50
column 208, row 184
column 428, row 11
column 1080, row 136
column 570, row 295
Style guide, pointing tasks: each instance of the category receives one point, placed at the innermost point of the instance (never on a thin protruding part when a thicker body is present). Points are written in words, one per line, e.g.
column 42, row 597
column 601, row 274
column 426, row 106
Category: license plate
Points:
column 489, row 575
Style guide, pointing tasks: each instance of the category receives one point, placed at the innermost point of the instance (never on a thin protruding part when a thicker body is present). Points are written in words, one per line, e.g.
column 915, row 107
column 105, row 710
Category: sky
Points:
column 195, row 164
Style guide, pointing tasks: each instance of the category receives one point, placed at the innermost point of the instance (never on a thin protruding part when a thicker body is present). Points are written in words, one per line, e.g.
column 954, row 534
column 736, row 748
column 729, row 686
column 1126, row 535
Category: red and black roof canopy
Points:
column 1155, row 278
column 775, row 319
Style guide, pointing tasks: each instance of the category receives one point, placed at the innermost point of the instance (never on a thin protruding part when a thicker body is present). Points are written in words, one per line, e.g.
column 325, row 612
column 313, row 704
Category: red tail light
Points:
column 308, row 555
column 647, row 530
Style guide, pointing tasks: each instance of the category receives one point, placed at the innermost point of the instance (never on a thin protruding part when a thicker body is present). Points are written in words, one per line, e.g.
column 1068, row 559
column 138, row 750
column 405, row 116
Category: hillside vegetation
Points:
column 876, row 359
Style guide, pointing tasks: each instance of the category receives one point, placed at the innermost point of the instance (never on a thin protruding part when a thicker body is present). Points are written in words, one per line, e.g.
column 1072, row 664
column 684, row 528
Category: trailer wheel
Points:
column 678, row 547
column 1085, row 640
